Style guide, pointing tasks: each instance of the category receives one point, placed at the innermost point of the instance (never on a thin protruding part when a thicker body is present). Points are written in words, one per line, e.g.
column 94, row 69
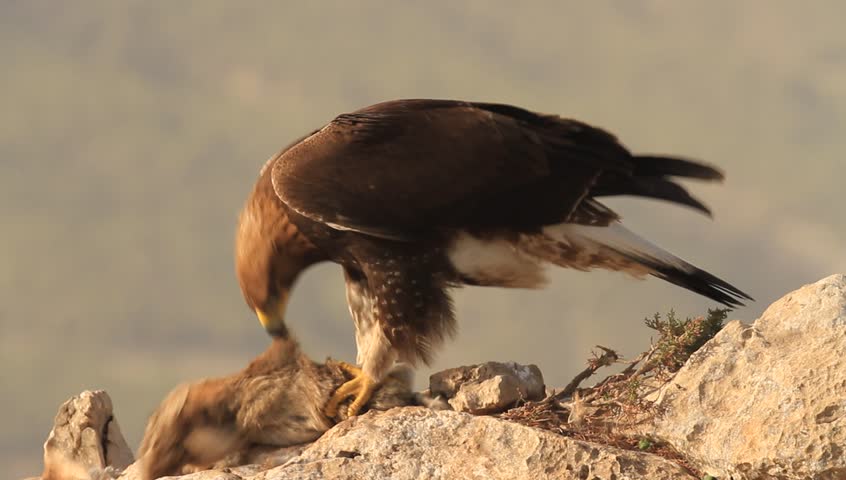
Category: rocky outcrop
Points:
column 767, row 400
column 85, row 439
column 760, row 401
column 415, row 442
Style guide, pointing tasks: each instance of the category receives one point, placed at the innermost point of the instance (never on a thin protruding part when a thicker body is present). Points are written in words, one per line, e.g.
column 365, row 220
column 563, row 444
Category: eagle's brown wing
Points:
column 402, row 168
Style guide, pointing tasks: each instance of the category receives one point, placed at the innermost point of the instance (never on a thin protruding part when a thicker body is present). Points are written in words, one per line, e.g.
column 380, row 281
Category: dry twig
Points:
column 607, row 358
column 607, row 412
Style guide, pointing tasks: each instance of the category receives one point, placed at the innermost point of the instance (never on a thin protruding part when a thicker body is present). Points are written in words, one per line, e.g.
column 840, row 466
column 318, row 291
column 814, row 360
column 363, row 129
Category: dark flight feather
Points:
column 653, row 166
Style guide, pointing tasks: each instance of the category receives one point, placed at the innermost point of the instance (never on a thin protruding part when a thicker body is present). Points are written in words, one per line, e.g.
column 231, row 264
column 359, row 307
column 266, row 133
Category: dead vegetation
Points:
column 610, row 411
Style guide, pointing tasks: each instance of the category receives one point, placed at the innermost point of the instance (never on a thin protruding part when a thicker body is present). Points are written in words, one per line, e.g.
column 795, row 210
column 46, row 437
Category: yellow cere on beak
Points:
column 265, row 319
column 273, row 320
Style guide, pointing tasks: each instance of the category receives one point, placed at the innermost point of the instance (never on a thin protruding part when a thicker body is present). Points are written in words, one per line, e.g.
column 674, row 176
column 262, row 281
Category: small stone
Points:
column 486, row 396
column 488, row 388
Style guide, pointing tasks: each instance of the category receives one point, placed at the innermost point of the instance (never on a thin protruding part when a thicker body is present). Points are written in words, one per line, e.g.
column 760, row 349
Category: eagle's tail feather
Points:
column 651, row 178
column 662, row 189
column 614, row 247
column 658, row 166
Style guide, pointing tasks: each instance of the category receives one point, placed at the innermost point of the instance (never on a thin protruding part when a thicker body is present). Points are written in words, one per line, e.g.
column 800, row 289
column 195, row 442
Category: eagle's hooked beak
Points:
column 272, row 318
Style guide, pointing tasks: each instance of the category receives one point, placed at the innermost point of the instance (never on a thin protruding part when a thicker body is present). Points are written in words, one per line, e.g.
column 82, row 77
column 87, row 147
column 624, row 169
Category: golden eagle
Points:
column 414, row 197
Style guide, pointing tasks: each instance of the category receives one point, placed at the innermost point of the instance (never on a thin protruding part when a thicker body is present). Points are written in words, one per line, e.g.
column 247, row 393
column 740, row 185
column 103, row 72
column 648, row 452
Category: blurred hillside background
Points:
column 132, row 131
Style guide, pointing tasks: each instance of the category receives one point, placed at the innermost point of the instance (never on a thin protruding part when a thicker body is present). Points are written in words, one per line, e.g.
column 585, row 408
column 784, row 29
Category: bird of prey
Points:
column 414, row 197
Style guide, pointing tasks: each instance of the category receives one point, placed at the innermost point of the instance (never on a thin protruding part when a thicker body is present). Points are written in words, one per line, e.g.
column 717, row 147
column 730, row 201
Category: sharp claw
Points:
column 351, row 369
column 365, row 392
column 361, row 386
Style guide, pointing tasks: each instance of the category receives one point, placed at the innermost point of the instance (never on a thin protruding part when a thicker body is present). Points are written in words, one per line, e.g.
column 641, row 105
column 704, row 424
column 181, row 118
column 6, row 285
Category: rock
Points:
column 85, row 438
column 487, row 396
column 207, row 475
column 132, row 472
column 767, row 400
column 488, row 388
column 415, row 442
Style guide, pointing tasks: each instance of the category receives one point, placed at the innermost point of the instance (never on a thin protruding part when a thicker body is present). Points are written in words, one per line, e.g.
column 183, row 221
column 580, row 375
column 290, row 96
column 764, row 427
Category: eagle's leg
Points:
column 376, row 355
column 361, row 387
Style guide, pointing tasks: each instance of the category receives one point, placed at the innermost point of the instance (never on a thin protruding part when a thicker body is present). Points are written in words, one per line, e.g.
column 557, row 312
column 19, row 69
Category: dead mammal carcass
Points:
column 276, row 401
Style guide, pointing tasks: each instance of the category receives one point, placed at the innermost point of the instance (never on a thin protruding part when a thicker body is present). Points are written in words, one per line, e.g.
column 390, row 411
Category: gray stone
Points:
column 767, row 400
column 488, row 388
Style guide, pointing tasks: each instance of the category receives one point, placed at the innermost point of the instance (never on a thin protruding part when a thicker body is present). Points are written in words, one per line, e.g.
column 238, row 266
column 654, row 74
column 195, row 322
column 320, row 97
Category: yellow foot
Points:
column 361, row 387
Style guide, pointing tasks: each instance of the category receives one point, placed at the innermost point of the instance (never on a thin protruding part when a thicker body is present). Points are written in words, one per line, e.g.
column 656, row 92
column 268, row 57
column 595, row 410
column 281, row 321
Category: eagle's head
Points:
column 270, row 253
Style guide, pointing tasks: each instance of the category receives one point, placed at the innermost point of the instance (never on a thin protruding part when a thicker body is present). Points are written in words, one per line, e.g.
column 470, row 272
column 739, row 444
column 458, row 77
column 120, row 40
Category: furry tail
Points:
column 614, row 247
column 651, row 177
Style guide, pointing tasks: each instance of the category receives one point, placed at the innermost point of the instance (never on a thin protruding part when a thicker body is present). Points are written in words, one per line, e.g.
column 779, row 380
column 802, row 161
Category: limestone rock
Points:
column 85, row 438
column 135, row 472
column 767, row 400
column 415, row 442
column 488, row 388
column 206, row 475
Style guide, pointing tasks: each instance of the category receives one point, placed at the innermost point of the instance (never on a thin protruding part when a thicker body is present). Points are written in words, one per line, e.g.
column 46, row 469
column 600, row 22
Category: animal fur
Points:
column 276, row 401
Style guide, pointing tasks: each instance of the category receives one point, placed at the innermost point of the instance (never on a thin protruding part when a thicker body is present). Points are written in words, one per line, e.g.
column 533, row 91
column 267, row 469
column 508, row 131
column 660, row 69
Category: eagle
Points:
column 416, row 197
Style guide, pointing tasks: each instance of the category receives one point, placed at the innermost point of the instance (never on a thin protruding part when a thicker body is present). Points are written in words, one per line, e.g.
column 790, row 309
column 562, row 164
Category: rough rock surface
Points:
column 415, row 442
column 767, row 400
column 488, row 388
column 85, row 437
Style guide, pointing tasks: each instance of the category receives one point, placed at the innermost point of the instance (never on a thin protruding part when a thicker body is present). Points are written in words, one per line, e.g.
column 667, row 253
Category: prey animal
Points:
column 277, row 401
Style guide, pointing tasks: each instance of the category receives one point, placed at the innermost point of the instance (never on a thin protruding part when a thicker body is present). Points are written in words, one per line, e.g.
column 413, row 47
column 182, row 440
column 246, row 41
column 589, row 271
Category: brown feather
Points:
column 270, row 251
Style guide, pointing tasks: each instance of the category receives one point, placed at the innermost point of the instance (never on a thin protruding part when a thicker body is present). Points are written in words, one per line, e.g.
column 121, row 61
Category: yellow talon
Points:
column 361, row 387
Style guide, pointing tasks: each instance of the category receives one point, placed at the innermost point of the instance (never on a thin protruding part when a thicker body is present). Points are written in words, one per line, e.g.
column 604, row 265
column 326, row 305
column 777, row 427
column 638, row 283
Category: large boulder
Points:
column 767, row 400
column 415, row 442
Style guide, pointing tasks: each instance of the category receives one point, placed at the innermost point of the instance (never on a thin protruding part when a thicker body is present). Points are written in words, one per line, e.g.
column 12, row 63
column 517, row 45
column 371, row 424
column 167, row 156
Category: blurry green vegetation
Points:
column 678, row 339
column 131, row 132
